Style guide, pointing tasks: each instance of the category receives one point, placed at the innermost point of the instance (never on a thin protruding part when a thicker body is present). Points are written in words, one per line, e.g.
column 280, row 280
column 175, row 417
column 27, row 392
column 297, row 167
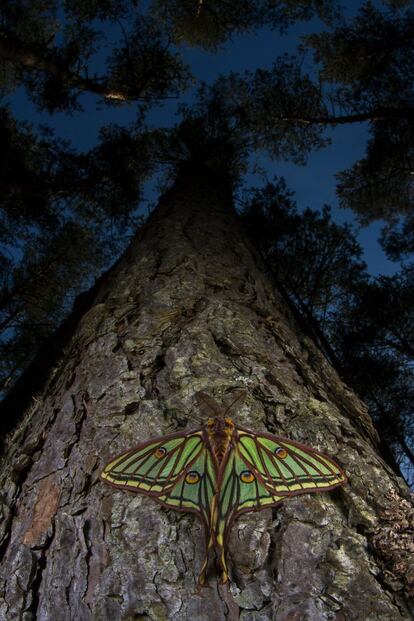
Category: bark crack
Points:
column 231, row 608
column 79, row 418
column 38, row 576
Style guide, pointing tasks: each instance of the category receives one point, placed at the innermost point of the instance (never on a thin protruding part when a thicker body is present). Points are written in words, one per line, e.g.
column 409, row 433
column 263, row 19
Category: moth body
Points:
column 220, row 432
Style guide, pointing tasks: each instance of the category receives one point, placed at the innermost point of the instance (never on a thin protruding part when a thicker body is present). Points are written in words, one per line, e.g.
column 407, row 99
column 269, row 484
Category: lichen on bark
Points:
column 190, row 307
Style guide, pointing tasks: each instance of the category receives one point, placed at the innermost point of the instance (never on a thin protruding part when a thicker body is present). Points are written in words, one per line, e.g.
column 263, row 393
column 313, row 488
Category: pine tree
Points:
column 187, row 308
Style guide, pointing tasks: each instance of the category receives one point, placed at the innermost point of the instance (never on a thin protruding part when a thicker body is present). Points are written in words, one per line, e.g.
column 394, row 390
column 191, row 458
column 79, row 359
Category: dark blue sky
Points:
column 313, row 184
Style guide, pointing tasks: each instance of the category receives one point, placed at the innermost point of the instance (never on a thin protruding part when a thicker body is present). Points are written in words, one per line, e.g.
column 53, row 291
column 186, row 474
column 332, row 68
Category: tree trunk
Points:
column 189, row 308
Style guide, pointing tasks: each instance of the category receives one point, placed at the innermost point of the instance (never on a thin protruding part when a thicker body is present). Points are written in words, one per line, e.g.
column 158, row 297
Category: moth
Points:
column 220, row 471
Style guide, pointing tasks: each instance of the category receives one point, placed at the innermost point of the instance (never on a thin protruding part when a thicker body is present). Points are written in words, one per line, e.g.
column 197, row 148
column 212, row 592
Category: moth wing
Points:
column 288, row 468
column 155, row 467
column 261, row 471
column 241, row 491
column 194, row 489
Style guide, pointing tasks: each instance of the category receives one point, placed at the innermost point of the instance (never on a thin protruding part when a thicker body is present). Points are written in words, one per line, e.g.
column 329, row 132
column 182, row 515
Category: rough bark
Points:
column 189, row 308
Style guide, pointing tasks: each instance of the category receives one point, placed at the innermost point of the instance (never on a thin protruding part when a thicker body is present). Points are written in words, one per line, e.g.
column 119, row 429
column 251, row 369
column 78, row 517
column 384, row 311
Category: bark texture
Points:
column 189, row 308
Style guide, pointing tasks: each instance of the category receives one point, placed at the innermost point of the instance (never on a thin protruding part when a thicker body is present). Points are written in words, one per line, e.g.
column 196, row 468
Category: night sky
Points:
column 313, row 184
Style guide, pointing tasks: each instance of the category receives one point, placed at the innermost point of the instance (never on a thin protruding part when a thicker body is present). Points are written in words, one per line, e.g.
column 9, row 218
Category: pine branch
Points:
column 18, row 53
column 376, row 114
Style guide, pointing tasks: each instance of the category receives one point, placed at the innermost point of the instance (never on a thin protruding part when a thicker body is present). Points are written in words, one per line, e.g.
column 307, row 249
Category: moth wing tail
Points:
column 221, row 557
column 202, row 578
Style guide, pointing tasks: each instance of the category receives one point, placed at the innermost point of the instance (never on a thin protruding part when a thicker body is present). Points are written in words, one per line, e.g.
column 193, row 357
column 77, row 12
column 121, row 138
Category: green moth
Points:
column 220, row 471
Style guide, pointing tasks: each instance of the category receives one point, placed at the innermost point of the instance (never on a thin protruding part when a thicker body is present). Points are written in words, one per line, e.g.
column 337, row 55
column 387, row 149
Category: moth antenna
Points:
column 207, row 404
column 238, row 399
column 198, row 420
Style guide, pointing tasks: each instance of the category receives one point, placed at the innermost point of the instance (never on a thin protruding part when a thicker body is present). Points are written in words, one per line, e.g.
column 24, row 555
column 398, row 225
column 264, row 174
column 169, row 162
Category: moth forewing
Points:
column 287, row 467
column 153, row 466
